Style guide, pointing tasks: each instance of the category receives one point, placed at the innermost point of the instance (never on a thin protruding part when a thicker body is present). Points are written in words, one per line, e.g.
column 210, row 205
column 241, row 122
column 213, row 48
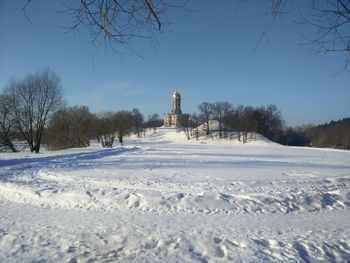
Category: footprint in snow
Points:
column 220, row 252
column 152, row 244
column 217, row 240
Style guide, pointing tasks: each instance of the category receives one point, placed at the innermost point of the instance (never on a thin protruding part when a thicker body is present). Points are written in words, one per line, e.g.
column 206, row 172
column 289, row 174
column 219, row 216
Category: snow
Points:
column 164, row 198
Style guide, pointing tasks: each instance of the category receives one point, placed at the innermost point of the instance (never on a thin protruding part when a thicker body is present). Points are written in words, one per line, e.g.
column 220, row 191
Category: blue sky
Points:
column 208, row 55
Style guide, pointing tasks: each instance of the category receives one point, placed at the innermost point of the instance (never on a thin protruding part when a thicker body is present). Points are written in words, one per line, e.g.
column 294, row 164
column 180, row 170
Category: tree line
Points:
column 244, row 122
column 33, row 112
column 335, row 134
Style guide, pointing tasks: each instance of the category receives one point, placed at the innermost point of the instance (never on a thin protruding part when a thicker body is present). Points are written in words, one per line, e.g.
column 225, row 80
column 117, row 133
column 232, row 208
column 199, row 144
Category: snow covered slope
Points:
column 164, row 199
column 174, row 135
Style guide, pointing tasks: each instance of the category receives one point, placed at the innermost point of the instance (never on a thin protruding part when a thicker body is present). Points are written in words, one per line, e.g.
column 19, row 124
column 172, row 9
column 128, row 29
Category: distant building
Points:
column 173, row 119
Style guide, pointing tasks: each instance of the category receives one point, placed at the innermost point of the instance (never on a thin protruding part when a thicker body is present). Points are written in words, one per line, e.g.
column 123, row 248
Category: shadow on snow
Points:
column 77, row 160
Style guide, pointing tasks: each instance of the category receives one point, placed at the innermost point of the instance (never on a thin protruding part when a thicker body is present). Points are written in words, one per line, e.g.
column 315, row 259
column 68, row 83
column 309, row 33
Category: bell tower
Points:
column 173, row 119
column 176, row 103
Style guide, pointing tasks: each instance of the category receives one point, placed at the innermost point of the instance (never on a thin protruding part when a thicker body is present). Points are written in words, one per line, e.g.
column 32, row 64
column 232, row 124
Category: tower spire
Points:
column 176, row 103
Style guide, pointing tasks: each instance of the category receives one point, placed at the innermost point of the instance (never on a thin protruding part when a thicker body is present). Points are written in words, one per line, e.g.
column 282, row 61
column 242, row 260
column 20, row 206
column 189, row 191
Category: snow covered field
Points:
column 164, row 199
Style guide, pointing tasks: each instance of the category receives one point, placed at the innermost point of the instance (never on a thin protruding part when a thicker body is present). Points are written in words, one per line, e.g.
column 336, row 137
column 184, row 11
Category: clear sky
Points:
column 207, row 56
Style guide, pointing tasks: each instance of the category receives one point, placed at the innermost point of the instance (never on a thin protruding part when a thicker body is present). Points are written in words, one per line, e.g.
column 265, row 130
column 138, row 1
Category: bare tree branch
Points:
column 330, row 20
column 116, row 24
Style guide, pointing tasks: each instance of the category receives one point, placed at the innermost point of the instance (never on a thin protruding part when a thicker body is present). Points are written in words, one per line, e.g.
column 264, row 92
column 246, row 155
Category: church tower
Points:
column 173, row 119
column 176, row 103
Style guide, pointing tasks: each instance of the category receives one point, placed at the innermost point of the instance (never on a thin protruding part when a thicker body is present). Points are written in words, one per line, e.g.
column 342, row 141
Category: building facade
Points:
column 173, row 119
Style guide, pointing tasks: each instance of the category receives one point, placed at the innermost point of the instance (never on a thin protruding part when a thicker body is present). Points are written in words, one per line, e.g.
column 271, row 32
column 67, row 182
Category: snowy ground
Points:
column 168, row 200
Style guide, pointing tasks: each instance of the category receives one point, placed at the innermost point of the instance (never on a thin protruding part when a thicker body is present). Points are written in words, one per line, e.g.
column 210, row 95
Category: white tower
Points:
column 176, row 103
column 173, row 119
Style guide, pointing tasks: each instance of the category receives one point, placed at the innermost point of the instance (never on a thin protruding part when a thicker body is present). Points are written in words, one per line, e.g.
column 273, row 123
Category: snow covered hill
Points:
column 166, row 199
column 177, row 135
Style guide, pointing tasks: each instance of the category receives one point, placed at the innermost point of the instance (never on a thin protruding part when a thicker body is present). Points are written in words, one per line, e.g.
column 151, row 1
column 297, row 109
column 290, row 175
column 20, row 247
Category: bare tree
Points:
column 270, row 122
column 116, row 24
column 330, row 20
column 70, row 127
column 32, row 101
column 220, row 111
column 195, row 119
column 249, row 123
column 206, row 111
column 237, row 122
column 124, row 124
column 106, row 129
column 153, row 121
column 185, row 123
column 7, row 132
column 137, row 121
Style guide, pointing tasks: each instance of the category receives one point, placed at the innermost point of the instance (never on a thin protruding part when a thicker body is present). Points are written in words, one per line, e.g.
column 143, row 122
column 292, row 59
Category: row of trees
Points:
column 32, row 111
column 76, row 126
column 335, row 134
column 246, row 121
column 243, row 120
